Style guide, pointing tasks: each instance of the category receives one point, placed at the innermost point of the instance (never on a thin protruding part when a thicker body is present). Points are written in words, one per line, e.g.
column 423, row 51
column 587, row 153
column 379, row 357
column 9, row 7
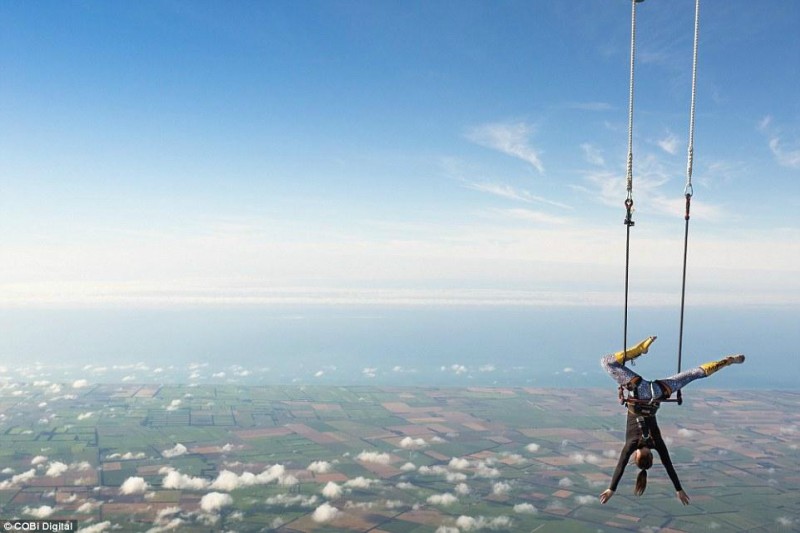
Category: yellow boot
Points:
column 710, row 368
column 635, row 351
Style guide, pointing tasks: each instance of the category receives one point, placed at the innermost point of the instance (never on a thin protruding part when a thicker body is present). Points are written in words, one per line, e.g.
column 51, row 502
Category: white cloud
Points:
column 319, row 467
column 459, row 463
column 80, row 384
column 593, row 154
column 469, row 523
column 84, row 416
column 38, row 512
column 360, row 482
column 133, row 485
column 532, row 447
column 509, row 138
column 500, row 488
column 408, row 467
column 447, row 529
column 565, row 482
column 290, row 500
column 507, row 191
column 484, row 470
column 39, row 459
column 127, row 456
column 585, row 499
column 442, row 499
column 369, row 372
column 410, row 443
column 529, row 215
column 214, row 501
column 462, row 489
column 99, row 527
column 687, row 433
column 332, row 491
column 177, row 450
column 325, row 513
column 525, row 508
column 18, row 478
column 669, row 143
column 785, row 156
column 56, row 468
column 374, row 457
column 176, row 480
column 228, row 481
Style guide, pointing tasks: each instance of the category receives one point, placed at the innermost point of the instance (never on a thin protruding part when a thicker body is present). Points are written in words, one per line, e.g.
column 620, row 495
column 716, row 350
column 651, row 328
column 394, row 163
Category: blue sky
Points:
column 209, row 153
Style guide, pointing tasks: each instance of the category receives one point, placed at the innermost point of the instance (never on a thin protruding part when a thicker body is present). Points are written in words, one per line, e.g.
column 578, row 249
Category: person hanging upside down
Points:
column 642, row 433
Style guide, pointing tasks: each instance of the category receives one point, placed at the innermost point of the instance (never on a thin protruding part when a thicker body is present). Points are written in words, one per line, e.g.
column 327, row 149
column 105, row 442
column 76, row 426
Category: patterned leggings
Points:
column 645, row 389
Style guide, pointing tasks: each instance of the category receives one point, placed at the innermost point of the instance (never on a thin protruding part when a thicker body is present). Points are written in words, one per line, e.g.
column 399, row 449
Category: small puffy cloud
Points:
column 325, row 513
column 214, row 501
column 291, row 500
column 319, row 467
column 174, row 405
column 589, row 458
column 80, row 384
column 319, row 373
column 127, row 456
column 39, row 459
column 565, row 482
column 374, row 457
column 442, row 499
column 500, row 488
column 532, row 447
column 525, row 508
column 133, row 485
column 447, row 529
column 585, row 499
column 18, row 478
column 684, row 432
column 99, row 527
column 84, row 416
column 175, row 451
column 369, row 372
column 332, row 491
column 176, row 480
column 410, row 443
column 56, row 468
column 568, row 370
column 469, row 523
column 360, row 482
column 485, row 470
column 458, row 463
column 408, row 467
column 462, row 489
column 39, row 512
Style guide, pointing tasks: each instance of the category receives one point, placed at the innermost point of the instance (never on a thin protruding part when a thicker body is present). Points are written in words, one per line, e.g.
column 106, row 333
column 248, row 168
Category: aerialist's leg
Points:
column 614, row 363
column 678, row 381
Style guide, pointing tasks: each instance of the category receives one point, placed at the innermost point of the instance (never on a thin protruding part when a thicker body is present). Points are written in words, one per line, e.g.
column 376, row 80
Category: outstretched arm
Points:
column 663, row 453
column 624, row 457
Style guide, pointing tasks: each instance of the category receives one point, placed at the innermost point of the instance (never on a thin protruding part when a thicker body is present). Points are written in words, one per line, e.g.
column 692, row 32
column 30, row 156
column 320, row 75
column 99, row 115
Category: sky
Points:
column 176, row 153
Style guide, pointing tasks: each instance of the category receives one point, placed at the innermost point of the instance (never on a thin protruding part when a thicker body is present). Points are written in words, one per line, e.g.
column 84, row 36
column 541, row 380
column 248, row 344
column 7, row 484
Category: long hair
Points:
column 644, row 460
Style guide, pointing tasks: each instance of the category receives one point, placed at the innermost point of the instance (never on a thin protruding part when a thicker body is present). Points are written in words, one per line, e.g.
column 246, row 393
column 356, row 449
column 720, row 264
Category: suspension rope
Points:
column 688, row 189
column 629, row 178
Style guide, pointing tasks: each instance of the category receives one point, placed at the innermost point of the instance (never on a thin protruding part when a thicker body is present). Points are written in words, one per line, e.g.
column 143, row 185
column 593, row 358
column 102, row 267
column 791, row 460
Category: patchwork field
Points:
column 233, row 458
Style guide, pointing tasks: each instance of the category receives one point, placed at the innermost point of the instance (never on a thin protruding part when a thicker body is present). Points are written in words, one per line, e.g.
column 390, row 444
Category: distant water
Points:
column 430, row 345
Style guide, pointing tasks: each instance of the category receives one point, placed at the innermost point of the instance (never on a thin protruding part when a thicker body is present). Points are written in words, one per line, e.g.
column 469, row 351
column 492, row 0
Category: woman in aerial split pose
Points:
column 642, row 432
